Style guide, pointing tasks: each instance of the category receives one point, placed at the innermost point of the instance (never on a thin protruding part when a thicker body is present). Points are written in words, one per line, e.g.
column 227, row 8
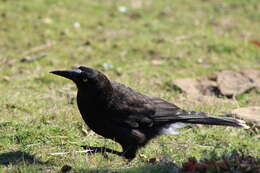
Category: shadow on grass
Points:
column 17, row 157
column 236, row 161
column 147, row 168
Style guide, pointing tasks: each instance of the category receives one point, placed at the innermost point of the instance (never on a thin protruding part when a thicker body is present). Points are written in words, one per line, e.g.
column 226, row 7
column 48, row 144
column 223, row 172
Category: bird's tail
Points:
column 201, row 118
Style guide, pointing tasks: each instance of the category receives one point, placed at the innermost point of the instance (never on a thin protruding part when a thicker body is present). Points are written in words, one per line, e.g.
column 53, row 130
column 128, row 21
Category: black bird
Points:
column 128, row 117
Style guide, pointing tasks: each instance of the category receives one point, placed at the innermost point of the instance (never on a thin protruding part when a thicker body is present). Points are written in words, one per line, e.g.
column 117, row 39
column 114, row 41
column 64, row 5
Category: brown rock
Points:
column 195, row 87
column 208, row 87
column 249, row 114
column 226, row 83
column 189, row 86
column 254, row 76
column 233, row 83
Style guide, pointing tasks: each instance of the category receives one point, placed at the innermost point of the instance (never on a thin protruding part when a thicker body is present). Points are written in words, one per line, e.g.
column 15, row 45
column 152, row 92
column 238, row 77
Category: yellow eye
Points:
column 85, row 80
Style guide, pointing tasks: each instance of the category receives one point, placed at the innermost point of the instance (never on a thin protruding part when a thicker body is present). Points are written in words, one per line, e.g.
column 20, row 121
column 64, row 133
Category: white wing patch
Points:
column 172, row 129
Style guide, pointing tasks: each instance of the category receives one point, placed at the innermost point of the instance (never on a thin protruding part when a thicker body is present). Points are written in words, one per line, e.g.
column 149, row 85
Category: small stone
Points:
column 122, row 9
column 143, row 156
column 87, row 43
column 66, row 168
column 6, row 78
column 47, row 21
column 76, row 24
column 107, row 66
column 156, row 62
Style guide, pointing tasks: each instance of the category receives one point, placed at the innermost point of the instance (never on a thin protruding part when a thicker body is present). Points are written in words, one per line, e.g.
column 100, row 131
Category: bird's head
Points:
column 85, row 77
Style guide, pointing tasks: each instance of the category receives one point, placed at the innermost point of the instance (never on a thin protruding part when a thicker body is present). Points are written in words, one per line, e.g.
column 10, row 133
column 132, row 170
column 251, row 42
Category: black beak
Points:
column 69, row 74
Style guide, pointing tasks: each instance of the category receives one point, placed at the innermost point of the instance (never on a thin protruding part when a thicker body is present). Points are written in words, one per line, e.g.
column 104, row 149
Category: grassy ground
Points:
column 143, row 44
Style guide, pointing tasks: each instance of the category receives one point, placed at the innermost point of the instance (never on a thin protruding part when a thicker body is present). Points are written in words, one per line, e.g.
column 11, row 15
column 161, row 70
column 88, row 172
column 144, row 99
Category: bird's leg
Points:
column 129, row 151
column 102, row 150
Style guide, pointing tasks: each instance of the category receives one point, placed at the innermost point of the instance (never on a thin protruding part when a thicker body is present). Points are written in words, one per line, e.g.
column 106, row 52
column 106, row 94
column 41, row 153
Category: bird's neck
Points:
column 95, row 98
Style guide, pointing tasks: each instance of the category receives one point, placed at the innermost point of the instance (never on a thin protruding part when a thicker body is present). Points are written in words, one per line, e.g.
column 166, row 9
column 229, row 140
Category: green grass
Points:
column 189, row 38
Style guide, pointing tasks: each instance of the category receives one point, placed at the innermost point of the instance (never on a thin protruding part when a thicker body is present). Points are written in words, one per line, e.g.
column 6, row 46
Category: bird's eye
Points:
column 85, row 80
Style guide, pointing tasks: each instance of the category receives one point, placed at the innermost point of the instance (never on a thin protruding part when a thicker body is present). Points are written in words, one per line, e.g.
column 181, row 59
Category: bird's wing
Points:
column 130, row 107
column 166, row 112
column 139, row 111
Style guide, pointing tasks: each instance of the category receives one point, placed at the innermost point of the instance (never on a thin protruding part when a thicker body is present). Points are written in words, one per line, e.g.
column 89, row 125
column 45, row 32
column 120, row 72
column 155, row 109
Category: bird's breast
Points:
column 95, row 116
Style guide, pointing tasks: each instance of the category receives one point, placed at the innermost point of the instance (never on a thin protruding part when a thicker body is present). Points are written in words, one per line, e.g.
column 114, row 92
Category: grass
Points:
column 146, row 47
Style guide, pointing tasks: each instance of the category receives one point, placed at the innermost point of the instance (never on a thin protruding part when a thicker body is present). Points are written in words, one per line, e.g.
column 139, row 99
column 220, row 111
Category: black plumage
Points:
column 128, row 117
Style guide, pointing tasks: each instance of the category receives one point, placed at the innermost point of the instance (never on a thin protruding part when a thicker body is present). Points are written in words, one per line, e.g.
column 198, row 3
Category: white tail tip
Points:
column 243, row 124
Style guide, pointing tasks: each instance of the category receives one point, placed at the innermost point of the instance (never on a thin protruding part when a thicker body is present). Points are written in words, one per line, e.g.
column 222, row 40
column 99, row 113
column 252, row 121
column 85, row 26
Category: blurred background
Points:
column 143, row 44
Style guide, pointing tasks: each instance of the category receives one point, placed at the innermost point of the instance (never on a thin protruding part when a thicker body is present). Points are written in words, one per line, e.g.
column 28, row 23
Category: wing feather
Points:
column 141, row 111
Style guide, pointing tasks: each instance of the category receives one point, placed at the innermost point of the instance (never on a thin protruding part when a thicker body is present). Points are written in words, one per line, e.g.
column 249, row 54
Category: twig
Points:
column 183, row 37
column 63, row 153
column 33, row 58
column 39, row 48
